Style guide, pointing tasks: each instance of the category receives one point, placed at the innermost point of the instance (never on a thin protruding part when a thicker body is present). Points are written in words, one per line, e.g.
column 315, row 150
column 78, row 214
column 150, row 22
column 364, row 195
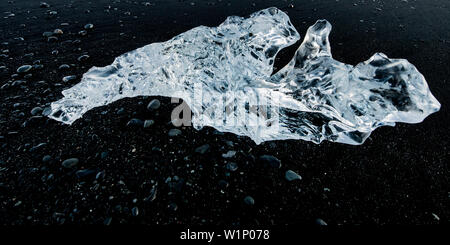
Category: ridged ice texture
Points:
column 237, row 54
column 330, row 100
column 224, row 75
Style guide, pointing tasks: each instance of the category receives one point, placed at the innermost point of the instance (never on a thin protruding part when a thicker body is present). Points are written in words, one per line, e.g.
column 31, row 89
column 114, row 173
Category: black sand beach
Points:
column 127, row 175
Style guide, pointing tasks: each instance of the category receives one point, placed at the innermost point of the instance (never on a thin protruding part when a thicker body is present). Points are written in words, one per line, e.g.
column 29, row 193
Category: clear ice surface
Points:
column 224, row 74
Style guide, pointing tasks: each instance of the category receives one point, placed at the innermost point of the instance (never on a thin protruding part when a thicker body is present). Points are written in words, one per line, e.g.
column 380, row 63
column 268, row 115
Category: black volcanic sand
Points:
column 399, row 176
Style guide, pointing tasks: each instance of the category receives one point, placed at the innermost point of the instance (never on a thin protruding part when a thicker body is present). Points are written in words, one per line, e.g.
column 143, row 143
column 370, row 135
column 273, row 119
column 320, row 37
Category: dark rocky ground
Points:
column 141, row 176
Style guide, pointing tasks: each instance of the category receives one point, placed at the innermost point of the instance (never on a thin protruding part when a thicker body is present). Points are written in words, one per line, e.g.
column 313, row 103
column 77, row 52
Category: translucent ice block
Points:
column 224, row 74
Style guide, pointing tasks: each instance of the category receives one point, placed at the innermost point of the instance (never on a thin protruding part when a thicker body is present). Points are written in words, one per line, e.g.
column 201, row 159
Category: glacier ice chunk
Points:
column 224, row 74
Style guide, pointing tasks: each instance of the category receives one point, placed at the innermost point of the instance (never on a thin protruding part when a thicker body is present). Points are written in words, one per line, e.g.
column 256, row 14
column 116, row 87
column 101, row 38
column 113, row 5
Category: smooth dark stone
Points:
column 154, row 105
column 291, row 176
column 174, row 132
column 70, row 163
column 202, row 149
column 88, row 26
column 83, row 58
column 152, row 196
column 69, row 78
column 135, row 123
column 85, row 172
column 148, row 123
column 249, row 200
column 271, row 161
column 36, row 110
column 24, row 69
column 232, row 166
column 135, row 211
column 321, row 222
column 46, row 158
